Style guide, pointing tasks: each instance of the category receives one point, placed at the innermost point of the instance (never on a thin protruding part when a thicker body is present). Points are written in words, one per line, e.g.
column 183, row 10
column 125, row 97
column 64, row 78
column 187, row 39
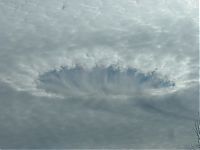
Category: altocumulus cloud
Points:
column 98, row 74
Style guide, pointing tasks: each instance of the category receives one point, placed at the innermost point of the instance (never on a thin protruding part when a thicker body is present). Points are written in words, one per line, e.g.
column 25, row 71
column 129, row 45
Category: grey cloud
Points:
column 45, row 102
column 33, row 122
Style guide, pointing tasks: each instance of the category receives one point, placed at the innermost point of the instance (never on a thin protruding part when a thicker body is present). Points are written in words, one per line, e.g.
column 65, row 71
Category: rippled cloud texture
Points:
column 98, row 73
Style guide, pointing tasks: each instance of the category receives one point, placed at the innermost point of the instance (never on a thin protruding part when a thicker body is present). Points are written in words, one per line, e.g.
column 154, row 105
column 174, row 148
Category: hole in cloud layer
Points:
column 101, row 80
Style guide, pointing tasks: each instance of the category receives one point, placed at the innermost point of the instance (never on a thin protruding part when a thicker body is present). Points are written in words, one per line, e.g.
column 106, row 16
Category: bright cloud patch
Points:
column 37, row 37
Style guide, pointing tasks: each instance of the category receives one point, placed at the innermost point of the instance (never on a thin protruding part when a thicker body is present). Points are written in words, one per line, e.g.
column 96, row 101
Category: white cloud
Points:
column 37, row 37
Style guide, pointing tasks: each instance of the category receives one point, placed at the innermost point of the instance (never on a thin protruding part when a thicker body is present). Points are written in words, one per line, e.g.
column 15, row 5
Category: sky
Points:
column 98, row 73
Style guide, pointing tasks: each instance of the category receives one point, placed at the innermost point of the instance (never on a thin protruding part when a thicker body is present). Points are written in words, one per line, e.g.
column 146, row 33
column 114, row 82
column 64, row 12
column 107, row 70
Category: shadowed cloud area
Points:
column 98, row 74
column 32, row 122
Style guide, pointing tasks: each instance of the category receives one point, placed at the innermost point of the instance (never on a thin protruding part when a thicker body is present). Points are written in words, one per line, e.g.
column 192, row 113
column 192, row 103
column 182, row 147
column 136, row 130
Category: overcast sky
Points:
column 98, row 73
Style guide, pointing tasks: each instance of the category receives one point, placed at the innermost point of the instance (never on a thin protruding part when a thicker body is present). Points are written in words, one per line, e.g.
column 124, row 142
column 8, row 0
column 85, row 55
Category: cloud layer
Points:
column 100, row 73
